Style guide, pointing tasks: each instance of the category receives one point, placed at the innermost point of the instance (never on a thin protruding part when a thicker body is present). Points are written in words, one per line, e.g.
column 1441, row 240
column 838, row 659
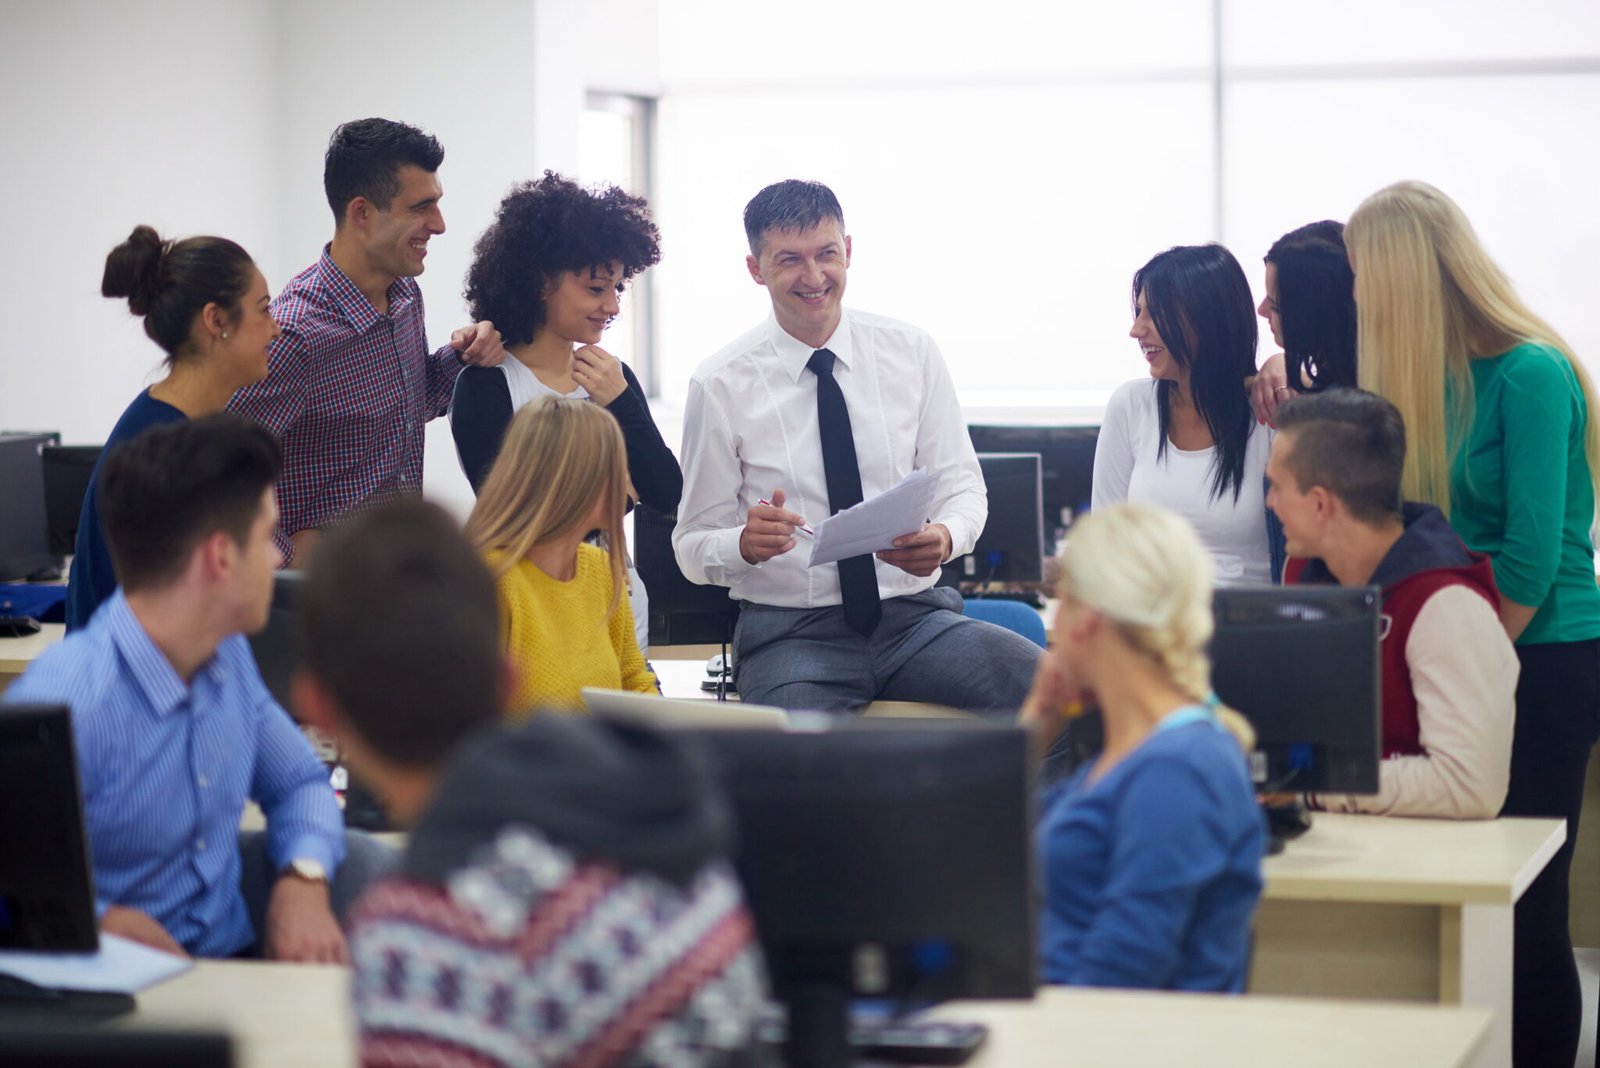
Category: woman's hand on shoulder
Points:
column 1269, row 388
column 599, row 373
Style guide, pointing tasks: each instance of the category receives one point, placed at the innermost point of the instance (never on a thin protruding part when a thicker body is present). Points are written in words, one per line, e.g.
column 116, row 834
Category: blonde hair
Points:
column 1429, row 298
column 559, row 457
column 1145, row 571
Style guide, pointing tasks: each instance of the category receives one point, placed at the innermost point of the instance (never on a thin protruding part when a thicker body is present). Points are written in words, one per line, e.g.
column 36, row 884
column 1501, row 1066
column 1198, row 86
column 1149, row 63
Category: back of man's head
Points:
column 400, row 626
column 364, row 159
column 165, row 491
column 1350, row 442
column 789, row 205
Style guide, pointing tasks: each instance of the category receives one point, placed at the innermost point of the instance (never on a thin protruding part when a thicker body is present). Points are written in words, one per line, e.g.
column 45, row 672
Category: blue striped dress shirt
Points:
column 166, row 769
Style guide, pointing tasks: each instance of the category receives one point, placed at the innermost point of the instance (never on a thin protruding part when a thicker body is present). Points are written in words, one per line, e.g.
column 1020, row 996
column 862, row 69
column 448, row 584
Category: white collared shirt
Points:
column 750, row 428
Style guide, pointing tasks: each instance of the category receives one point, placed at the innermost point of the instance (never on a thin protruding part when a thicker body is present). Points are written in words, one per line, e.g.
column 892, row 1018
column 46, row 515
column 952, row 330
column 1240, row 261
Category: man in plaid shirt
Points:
column 352, row 383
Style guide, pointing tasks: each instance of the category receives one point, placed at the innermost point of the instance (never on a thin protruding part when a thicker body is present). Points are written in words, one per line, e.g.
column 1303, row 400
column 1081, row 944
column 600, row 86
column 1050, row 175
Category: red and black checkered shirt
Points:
column 348, row 393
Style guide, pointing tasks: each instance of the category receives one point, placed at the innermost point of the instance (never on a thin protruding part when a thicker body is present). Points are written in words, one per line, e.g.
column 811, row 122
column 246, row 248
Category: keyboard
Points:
column 900, row 1041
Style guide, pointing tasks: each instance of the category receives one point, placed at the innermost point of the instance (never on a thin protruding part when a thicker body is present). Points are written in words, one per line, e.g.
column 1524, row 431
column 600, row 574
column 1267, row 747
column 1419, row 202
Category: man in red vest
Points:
column 1449, row 671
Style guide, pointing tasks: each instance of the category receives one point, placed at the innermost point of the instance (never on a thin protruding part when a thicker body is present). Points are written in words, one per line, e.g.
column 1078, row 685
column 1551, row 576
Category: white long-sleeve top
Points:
column 1127, row 468
column 750, row 428
column 1464, row 675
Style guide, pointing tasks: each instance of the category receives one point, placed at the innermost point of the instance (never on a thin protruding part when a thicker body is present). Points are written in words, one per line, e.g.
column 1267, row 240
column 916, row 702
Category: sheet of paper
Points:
column 120, row 967
column 872, row 525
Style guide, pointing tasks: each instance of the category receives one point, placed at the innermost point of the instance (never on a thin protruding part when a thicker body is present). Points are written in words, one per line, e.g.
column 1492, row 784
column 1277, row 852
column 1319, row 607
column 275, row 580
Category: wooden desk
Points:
column 1376, row 907
column 17, row 653
column 299, row 1015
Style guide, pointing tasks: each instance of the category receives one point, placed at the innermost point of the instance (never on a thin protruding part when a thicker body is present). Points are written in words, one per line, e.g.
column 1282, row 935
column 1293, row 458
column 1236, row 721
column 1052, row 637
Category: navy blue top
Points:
column 1152, row 872
column 93, row 579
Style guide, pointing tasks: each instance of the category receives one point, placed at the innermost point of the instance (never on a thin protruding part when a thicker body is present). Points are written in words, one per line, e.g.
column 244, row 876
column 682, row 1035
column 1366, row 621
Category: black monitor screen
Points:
column 275, row 645
column 1301, row 663
column 886, row 859
column 1011, row 547
column 24, row 532
column 46, row 895
column 68, row 472
column 1066, row 469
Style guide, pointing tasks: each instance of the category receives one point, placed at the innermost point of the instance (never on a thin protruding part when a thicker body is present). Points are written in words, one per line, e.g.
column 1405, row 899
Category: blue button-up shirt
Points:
column 166, row 768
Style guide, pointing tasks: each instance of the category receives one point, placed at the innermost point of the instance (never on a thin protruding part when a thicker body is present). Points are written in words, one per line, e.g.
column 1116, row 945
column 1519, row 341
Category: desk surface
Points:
column 17, row 653
column 299, row 1015
column 1413, row 861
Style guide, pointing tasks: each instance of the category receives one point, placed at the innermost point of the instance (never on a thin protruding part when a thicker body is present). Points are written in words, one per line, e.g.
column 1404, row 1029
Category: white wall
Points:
column 1005, row 167
column 198, row 116
column 117, row 114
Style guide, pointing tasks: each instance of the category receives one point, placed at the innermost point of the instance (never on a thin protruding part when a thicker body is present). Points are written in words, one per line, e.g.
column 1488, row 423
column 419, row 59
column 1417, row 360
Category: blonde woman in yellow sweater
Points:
column 564, row 617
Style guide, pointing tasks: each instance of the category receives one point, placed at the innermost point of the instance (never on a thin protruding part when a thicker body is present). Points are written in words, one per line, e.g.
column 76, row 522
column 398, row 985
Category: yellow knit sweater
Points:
column 557, row 635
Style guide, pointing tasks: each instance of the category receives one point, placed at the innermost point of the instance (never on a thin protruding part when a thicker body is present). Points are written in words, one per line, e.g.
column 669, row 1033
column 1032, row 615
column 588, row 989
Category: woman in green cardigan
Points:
column 1498, row 418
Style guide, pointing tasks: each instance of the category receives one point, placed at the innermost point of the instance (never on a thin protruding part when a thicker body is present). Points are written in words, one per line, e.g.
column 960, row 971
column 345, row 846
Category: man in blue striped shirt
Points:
column 173, row 724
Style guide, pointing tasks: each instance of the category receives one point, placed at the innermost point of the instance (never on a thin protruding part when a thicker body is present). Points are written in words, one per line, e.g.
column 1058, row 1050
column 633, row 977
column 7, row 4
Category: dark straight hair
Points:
column 1199, row 301
column 1316, row 305
column 165, row 491
column 364, row 158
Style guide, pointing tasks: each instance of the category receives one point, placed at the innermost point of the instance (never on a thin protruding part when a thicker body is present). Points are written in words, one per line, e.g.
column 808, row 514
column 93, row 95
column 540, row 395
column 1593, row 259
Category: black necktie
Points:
column 858, row 580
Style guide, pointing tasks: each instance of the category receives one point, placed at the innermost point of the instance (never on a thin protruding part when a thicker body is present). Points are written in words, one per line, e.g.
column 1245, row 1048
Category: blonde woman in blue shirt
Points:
column 1151, row 854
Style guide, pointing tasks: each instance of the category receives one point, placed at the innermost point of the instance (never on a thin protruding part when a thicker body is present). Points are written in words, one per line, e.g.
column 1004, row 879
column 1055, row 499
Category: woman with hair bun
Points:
column 1151, row 854
column 206, row 304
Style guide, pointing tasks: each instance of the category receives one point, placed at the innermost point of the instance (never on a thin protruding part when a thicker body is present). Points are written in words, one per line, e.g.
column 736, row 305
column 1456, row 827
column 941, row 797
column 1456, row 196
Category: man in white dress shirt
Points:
column 800, row 417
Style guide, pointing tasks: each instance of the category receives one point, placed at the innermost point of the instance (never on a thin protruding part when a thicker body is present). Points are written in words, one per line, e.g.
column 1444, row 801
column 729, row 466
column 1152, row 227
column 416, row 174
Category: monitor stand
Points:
column 22, row 1001
column 819, row 1027
column 1283, row 823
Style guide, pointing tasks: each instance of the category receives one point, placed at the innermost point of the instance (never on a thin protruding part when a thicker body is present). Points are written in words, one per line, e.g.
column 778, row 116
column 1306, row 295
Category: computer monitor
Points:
column 24, row 531
column 1302, row 664
column 681, row 612
column 36, row 1045
column 275, row 647
column 1011, row 546
column 883, row 859
column 46, row 892
column 68, row 473
column 1066, row 467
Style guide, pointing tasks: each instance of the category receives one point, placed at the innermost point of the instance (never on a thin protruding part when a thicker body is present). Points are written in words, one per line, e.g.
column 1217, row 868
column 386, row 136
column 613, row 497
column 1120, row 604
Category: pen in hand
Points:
column 807, row 531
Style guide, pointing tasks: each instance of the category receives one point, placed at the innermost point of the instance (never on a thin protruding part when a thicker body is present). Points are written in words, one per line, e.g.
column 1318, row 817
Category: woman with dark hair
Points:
column 549, row 271
column 206, row 304
column 1186, row 439
column 1311, row 306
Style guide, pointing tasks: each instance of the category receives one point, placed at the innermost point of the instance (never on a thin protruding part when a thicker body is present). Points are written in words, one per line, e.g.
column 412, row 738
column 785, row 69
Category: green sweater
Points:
column 1520, row 490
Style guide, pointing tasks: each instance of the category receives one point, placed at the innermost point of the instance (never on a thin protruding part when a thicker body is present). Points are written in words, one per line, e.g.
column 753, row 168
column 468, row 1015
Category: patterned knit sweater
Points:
column 565, row 900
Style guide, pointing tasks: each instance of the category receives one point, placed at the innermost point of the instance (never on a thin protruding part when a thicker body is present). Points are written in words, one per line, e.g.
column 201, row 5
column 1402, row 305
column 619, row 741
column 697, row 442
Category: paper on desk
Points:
column 872, row 525
column 120, row 967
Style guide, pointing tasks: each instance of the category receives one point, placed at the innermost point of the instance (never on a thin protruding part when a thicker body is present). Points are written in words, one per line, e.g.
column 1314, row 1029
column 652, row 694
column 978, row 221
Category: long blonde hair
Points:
column 1145, row 571
column 559, row 456
column 1429, row 298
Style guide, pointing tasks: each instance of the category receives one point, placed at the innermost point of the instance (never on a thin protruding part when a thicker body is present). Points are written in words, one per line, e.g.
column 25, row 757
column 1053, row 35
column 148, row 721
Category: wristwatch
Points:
column 308, row 869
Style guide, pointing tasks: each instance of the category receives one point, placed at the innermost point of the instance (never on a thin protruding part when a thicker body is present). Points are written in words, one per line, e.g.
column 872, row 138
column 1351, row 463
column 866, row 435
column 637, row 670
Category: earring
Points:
column 224, row 335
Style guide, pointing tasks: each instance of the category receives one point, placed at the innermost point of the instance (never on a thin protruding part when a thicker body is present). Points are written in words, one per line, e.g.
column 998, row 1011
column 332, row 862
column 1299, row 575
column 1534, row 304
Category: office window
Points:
column 615, row 147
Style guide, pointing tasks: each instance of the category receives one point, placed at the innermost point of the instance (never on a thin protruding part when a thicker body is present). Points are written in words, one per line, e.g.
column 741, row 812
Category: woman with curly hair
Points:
column 549, row 271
